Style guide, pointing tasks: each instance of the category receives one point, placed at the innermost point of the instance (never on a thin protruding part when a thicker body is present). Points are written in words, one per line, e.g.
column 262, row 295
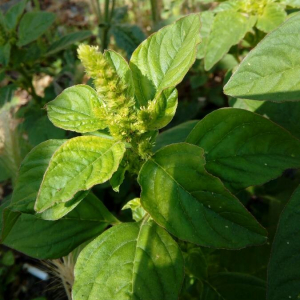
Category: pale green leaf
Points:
column 67, row 40
column 285, row 114
column 77, row 108
column 207, row 18
column 33, row 25
column 53, row 239
column 29, row 180
column 138, row 213
column 192, row 204
column 234, row 286
column 284, row 266
column 271, row 75
column 77, row 165
column 228, row 29
column 176, row 134
column 243, row 148
column 273, row 15
column 164, row 58
column 14, row 13
column 130, row 261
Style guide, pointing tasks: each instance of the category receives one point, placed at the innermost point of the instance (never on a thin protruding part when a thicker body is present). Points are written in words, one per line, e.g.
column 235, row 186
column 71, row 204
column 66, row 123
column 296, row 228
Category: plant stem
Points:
column 105, row 27
column 155, row 9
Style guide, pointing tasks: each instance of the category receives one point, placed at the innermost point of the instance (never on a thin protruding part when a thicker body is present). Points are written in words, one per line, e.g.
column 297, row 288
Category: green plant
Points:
column 189, row 188
column 24, row 51
column 236, row 21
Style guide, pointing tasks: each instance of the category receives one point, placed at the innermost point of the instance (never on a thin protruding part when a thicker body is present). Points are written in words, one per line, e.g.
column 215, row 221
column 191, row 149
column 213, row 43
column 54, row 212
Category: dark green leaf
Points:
column 192, row 204
column 53, row 239
column 67, row 41
column 283, row 272
column 243, row 148
column 33, row 25
column 14, row 13
column 127, row 37
column 286, row 114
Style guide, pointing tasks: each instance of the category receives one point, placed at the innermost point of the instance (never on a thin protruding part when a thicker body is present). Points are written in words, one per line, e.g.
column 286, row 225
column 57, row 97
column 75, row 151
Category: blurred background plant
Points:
column 38, row 59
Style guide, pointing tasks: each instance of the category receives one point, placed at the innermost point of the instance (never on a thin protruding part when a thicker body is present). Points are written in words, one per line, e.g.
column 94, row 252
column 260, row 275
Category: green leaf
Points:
column 228, row 29
column 53, row 239
column 285, row 114
column 234, row 286
column 192, row 204
column 77, row 108
column 68, row 40
column 243, row 148
column 271, row 75
column 122, row 69
column 118, row 177
column 33, row 25
column 176, row 134
column 283, row 272
column 138, row 213
column 195, row 263
column 130, row 261
column 162, row 109
column 13, row 14
column 77, row 165
column 127, row 36
column 164, row 58
column 30, row 178
column 5, row 54
column 207, row 19
column 273, row 15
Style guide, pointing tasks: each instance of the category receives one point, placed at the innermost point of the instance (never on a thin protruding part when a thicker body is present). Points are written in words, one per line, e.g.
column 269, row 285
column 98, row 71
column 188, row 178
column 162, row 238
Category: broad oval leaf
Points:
column 33, row 25
column 77, row 165
column 164, row 58
column 284, row 266
column 29, row 180
column 243, row 148
column 192, row 204
column 77, row 108
column 227, row 29
column 271, row 75
column 53, row 239
column 130, row 261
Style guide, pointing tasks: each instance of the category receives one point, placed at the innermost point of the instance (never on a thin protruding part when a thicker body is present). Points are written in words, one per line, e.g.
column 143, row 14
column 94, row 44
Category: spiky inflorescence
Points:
column 120, row 113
